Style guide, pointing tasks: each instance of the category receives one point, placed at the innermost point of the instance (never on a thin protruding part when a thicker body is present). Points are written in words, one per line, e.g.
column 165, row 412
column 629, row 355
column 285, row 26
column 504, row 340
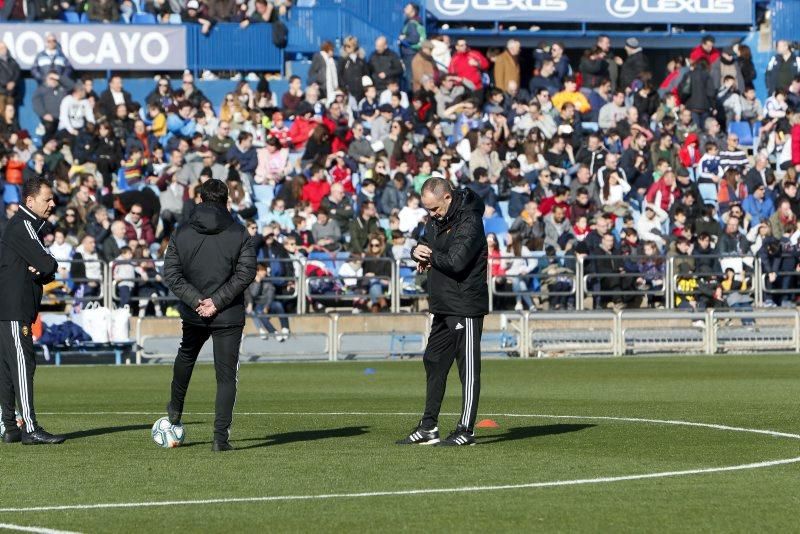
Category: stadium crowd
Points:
column 595, row 158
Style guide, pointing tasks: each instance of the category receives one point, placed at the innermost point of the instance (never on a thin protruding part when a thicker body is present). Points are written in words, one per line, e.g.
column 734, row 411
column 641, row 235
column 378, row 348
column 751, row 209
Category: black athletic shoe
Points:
column 458, row 438
column 221, row 446
column 421, row 436
column 41, row 437
column 12, row 436
column 173, row 415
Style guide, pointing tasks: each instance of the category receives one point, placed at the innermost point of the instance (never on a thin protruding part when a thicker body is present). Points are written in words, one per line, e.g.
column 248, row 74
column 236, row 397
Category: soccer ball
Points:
column 167, row 435
column 20, row 422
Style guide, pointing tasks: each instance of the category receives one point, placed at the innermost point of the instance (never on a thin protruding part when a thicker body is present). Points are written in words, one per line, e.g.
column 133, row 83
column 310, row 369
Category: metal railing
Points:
column 522, row 334
column 323, row 289
column 66, row 289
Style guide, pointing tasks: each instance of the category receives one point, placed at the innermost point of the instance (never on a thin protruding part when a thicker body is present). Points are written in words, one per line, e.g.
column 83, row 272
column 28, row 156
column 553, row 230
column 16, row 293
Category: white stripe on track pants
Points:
column 453, row 338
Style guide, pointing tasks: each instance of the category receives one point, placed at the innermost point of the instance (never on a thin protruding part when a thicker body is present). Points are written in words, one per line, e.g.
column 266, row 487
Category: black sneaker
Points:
column 41, row 437
column 458, row 438
column 421, row 436
column 173, row 414
column 12, row 436
column 221, row 446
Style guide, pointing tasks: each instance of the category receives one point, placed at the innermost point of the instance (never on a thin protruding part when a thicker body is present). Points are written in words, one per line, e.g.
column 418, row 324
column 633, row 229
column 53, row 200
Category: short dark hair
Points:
column 33, row 186
column 214, row 191
column 437, row 186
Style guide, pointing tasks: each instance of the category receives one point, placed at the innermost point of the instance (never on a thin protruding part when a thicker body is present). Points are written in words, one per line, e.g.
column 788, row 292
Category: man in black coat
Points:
column 384, row 65
column 9, row 76
column 113, row 97
column 209, row 264
column 452, row 250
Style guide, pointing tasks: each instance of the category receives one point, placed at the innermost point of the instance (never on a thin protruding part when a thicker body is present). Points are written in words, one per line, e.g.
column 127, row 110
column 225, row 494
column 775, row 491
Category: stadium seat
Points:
column 143, row 18
column 72, row 17
column 326, row 258
column 743, row 130
column 11, row 194
column 122, row 183
column 175, row 18
column 264, row 193
column 496, row 225
column 263, row 210
column 85, row 18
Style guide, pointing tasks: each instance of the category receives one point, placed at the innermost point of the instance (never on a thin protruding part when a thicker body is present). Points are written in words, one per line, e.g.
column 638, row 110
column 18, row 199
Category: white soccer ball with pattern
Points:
column 167, row 435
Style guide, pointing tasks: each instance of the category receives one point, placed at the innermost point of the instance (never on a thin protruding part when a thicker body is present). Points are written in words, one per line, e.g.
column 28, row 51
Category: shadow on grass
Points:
column 293, row 437
column 529, row 432
column 92, row 432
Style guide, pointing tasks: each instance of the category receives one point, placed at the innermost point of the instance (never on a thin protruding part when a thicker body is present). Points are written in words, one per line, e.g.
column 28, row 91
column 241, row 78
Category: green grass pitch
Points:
column 111, row 459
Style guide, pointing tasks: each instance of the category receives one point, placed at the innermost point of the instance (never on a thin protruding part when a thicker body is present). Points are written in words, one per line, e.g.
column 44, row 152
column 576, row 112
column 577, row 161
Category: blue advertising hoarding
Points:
column 596, row 11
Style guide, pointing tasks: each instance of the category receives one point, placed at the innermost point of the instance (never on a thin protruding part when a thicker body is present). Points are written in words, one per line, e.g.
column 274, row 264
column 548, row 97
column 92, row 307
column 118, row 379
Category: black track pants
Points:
column 17, row 365
column 459, row 339
column 226, row 363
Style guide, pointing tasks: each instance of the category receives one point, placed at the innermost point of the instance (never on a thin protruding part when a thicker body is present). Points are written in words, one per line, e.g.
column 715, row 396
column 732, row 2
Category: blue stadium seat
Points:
column 326, row 258
column 495, row 225
column 743, row 130
column 263, row 210
column 85, row 18
column 264, row 193
column 11, row 194
column 122, row 183
column 175, row 18
column 72, row 17
column 143, row 18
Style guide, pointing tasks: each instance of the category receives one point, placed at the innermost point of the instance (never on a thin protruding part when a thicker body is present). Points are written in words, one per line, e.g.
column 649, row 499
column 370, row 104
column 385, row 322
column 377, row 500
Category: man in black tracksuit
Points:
column 209, row 264
column 452, row 250
column 25, row 266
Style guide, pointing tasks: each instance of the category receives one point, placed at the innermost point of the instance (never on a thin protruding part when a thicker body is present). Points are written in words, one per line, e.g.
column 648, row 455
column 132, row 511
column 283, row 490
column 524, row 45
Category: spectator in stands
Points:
column 701, row 96
column 52, row 59
column 468, row 65
column 47, row 103
column 363, row 226
column 384, row 65
column 106, row 11
column 74, row 113
column 506, row 66
column 422, row 65
column 352, row 68
column 411, row 37
column 326, row 232
column 114, row 96
column 705, row 50
column 323, row 71
column 782, row 68
column 635, row 65
column 339, row 206
column 547, row 79
column 86, row 269
column 9, row 77
column 138, row 227
column 613, row 112
column 571, row 94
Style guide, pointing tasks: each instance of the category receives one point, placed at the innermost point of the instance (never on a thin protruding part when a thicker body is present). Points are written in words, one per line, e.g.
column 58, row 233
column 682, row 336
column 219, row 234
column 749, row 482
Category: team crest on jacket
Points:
column 24, row 330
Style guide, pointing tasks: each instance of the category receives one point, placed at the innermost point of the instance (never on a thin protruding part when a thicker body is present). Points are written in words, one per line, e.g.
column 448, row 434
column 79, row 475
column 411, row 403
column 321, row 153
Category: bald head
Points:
column 380, row 44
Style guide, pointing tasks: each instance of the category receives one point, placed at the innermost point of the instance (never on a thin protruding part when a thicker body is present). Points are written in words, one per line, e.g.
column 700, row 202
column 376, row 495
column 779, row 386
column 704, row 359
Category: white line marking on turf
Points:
column 407, row 492
column 428, row 491
column 39, row 530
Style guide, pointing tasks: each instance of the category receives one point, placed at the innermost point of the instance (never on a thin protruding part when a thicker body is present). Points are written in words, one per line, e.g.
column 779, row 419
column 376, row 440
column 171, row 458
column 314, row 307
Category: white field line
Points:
column 466, row 489
column 428, row 491
column 39, row 530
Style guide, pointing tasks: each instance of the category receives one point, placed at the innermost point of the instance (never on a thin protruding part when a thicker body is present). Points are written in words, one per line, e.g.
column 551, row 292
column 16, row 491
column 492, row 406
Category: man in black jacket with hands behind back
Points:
column 209, row 264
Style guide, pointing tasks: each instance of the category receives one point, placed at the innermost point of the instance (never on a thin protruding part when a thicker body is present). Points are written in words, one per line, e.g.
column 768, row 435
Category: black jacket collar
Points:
column 28, row 215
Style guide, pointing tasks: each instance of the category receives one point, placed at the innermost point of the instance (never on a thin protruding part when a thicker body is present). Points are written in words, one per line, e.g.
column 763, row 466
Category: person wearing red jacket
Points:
column 316, row 189
column 795, row 133
column 304, row 123
column 689, row 154
column 468, row 65
column 138, row 227
column 664, row 192
column 705, row 50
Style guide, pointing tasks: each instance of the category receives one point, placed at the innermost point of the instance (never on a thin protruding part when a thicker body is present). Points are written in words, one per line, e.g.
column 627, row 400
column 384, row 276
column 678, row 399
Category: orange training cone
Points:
column 487, row 423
